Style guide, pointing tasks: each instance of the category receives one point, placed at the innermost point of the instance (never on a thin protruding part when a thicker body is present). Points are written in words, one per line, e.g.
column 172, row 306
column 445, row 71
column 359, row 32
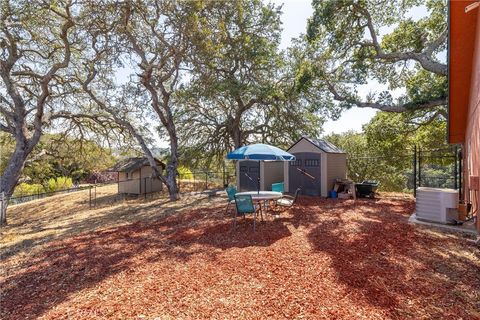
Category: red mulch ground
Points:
column 322, row 260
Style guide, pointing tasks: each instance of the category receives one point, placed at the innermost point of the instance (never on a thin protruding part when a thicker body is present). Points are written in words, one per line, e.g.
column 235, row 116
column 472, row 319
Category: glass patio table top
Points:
column 262, row 195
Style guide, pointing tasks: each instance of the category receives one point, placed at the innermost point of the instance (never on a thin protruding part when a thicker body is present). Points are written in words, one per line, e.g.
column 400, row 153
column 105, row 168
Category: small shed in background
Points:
column 318, row 164
column 248, row 172
column 135, row 176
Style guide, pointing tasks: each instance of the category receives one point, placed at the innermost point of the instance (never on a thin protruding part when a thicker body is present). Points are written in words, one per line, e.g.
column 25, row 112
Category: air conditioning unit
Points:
column 434, row 204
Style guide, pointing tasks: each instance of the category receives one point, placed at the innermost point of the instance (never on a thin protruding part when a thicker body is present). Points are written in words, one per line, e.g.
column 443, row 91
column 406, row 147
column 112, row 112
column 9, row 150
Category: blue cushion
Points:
column 278, row 187
column 231, row 191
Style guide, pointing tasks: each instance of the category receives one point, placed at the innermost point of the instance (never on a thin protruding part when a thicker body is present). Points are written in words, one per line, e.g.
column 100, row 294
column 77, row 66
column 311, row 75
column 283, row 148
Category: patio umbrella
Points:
column 260, row 152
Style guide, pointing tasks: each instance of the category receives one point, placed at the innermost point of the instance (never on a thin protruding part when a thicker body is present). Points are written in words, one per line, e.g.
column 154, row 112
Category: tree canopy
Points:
column 352, row 43
column 241, row 84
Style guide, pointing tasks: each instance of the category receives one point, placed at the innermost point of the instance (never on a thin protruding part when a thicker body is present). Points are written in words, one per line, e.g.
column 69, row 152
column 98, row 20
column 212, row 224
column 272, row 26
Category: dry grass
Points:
column 38, row 222
column 323, row 259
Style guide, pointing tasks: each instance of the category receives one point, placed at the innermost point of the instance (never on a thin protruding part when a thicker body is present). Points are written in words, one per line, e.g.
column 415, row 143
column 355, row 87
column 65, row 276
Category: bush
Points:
column 25, row 189
column 184, row 173
column 59, row 183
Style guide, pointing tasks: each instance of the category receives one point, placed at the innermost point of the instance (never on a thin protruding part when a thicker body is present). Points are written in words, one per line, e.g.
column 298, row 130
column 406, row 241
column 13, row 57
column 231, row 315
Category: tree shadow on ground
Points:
column 381, row 259
column 84, row 261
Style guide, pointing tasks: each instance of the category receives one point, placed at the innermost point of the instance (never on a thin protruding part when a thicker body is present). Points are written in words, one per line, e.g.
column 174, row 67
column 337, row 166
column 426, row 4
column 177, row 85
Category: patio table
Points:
column 262, row 196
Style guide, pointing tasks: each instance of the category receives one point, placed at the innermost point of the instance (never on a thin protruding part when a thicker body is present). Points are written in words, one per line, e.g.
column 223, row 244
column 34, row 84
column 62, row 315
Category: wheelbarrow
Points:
column 367, row 188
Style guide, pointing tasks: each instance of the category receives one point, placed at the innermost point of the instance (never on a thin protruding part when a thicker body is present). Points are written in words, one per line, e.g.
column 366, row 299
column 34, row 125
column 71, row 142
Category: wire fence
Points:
column 198, row 181
column 18, row 199
column 409, row 169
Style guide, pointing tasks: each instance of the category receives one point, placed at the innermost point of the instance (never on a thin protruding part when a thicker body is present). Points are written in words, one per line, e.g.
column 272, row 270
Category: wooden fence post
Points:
column 95, row 195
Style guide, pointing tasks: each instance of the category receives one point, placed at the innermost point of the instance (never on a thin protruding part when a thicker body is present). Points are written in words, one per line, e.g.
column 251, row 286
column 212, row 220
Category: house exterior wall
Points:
column 336, row 168
column 472, row 132
column 461, row 55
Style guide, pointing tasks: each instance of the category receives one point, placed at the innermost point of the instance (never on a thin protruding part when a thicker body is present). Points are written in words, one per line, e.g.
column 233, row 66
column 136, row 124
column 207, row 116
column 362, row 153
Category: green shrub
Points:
column 25, row 189
column 184, row 173
column 59, row 183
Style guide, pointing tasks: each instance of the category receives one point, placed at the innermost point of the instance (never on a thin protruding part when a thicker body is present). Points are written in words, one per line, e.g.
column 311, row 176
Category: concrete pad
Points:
column 467, row 227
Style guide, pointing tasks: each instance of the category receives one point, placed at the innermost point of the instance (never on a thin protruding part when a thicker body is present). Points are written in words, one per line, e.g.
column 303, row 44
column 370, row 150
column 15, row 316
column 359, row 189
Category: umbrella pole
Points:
column 258, row 179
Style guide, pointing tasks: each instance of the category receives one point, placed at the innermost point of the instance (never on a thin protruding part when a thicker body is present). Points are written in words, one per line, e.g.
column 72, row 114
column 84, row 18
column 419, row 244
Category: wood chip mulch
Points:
column 323, row 259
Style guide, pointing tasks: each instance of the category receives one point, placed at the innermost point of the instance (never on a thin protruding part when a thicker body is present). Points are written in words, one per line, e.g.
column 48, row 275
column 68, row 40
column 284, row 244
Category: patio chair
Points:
column 288, row 201
column 244, row 205
column 278, row 187
column 231, row 191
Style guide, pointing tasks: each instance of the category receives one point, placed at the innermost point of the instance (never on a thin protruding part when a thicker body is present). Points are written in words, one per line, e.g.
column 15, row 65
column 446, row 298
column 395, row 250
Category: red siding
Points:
column 472, row 133
column 462, row 35
column 464, row 91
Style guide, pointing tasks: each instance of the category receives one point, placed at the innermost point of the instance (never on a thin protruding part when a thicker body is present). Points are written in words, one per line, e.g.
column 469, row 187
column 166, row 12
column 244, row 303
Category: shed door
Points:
column 249, row 173
column 304, row 173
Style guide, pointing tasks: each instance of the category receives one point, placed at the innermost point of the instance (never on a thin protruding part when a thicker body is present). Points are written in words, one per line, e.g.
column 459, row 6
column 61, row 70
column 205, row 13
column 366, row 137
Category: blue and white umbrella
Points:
column 260, row 152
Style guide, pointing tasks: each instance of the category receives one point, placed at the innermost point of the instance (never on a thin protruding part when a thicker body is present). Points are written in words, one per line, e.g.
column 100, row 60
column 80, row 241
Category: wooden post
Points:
column 95, row 195
column 90, row 196
column 206, row 180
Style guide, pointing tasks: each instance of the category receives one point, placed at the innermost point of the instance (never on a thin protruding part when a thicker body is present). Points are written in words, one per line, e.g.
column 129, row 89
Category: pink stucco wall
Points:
column 472, row 134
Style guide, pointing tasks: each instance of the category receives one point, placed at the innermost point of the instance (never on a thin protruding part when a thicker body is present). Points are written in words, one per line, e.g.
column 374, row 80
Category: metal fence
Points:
column 197, row 181
column 18, row 199
column 438, row 168
column 407, row 170
column 204, row 180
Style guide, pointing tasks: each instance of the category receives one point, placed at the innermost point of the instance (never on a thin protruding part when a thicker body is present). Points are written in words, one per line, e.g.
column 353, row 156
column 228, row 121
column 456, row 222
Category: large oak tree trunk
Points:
column 13, row 171
column 172, row 164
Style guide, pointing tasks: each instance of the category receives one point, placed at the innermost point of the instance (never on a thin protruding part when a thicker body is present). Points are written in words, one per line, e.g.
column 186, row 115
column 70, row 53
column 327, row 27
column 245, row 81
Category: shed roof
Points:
column 133, row 164
column 321, row 144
